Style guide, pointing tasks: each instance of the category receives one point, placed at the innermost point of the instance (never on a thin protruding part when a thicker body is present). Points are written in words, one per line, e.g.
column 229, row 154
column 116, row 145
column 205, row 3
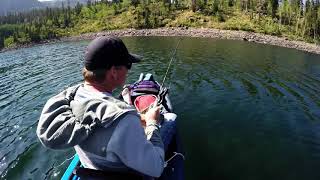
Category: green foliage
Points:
column 244, row 25
column 189, row 19
column 215, row 6
column 271, row 28
column 9, row 41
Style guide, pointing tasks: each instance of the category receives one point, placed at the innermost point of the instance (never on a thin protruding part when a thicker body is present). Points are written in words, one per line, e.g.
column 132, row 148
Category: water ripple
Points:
column 247, row 106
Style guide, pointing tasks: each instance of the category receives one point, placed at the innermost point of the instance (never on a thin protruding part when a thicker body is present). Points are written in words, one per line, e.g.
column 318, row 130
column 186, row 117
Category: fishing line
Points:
column 68, row 159
column 172, row 58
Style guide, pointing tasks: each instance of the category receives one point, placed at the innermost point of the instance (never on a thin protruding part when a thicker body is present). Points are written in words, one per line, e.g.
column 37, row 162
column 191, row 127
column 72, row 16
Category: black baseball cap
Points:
column 106, row 51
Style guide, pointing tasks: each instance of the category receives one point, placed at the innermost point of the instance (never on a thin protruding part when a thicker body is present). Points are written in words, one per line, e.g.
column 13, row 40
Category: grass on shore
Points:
column 132, row 17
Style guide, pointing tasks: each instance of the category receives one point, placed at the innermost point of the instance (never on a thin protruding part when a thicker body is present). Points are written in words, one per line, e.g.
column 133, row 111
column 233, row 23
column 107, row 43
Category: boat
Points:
column 143, row 93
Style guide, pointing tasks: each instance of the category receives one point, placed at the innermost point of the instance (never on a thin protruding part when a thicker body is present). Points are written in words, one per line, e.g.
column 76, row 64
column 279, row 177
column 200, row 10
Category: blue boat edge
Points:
column 174, row 170
column 69, row 172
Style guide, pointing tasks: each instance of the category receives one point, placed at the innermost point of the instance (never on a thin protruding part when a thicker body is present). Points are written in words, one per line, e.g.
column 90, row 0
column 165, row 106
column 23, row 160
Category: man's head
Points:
column 107, row 60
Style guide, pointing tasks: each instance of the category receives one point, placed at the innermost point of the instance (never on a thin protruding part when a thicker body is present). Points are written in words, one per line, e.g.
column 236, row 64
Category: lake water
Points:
column 246, row 111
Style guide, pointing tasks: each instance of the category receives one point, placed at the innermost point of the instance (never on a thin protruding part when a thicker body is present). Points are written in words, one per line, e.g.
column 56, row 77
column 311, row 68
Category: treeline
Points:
column 277, row 17
column 36, row 25
column 301, row 20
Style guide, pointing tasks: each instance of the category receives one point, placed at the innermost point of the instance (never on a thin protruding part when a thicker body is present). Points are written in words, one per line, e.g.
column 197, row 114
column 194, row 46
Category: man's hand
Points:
column 152, row 115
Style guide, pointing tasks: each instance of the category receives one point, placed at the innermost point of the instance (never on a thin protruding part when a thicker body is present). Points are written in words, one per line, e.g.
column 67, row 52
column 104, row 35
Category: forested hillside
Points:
column 291, row 19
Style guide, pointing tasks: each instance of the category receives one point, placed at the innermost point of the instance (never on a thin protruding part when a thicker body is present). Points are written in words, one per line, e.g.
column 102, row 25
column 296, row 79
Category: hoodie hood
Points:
column 70, row 117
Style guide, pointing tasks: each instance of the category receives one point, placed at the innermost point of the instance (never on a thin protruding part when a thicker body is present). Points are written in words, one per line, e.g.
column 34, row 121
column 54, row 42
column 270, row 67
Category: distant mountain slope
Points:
column 18, row 5
column 25, row 5
column 58, row 3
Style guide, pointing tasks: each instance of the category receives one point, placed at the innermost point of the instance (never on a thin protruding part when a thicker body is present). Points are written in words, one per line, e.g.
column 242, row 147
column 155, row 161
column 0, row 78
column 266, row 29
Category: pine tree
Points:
column 283, row 11
column 307, row 19
column 215, row 7
column 77, row 8
column 273, row 4
column 314, row 18
column 318, row 22
column 1, row 41
column 261, row 8
column 297, row 8
column 193, row 5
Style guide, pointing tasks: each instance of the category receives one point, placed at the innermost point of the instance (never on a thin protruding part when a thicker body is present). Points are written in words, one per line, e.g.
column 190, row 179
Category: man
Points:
column 106, row 132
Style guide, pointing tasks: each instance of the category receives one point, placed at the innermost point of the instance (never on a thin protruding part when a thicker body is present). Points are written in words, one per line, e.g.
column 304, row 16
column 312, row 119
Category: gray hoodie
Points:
column 105, row 132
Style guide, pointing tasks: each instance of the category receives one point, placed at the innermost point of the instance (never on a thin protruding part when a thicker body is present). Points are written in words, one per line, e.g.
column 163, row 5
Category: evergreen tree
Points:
column 307, row 19
column 231, row 3
column 77, row 8
column 273, row 4
column 262, row 8
column 1, row 42
column 215, row 7
column 193, row 5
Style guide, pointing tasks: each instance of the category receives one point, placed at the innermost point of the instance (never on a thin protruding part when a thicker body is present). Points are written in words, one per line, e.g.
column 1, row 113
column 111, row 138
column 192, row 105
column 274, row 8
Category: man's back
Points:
column 121, row 143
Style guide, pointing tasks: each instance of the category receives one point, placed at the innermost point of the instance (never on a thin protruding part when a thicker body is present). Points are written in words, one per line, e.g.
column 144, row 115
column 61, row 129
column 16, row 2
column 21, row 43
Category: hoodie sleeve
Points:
column 58, row 128
column 129, row 142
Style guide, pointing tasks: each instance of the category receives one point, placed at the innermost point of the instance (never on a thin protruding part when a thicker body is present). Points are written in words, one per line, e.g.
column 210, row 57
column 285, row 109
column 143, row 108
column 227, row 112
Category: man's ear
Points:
column 114, row 73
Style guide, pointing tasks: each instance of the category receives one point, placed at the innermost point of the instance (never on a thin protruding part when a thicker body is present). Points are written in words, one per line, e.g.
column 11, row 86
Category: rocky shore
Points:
column 204, row 32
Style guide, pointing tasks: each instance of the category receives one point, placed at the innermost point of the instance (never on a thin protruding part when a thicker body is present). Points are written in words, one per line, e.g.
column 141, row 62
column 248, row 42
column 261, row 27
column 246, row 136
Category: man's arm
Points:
column 58, row 127
column 130, row 144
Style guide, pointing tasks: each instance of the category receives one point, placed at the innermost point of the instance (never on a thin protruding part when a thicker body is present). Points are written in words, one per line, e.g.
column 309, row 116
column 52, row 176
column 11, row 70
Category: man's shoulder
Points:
column 131, row 115
column 129, row 119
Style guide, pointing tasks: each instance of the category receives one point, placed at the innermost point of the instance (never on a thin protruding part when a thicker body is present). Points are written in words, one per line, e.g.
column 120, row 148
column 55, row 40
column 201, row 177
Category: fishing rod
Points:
column 172, row 58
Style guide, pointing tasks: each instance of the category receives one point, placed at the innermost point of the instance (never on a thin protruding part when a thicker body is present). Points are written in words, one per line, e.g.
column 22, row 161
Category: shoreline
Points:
column 189, row 32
